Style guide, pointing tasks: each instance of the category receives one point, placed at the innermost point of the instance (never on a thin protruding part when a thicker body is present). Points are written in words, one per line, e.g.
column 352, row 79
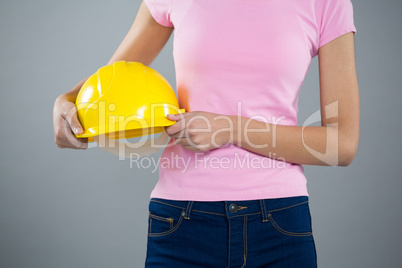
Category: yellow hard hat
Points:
column 125, row 100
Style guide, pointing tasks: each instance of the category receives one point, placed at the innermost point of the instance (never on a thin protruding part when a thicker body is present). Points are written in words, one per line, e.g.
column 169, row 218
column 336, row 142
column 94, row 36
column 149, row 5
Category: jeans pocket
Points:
column 163, row 219
column 292, row 221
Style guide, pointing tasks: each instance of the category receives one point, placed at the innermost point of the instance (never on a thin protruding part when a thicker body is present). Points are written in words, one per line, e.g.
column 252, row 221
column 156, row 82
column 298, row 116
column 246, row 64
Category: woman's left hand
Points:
column 201, row 131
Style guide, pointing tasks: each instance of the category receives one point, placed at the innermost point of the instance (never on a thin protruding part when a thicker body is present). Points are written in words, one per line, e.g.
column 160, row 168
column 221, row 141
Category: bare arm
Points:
column 143, row 43
column 338, row 136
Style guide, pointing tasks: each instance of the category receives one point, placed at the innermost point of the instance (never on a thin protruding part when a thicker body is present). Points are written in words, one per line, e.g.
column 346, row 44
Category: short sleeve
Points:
column 336, row 20
column 160, row 11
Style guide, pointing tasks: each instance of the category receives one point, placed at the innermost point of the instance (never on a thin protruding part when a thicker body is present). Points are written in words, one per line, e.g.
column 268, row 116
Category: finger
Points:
column 72, row 118
column 180, row 134
column 72, row 142
column 69, row 140
column 173, row 117
column 179, row 116
column 176, row 127
column 84, row 143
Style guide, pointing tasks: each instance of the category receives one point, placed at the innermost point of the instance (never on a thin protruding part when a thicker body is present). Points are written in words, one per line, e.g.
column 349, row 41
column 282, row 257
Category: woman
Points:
column 231, row 189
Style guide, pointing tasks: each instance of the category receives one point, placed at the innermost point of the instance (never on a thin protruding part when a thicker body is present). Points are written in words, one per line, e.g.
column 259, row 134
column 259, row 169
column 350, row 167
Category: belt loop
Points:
column 263, row 210
column 188, row 210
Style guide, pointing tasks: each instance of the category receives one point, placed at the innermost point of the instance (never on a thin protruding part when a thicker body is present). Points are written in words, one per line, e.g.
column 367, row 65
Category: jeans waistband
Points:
column 235, row 208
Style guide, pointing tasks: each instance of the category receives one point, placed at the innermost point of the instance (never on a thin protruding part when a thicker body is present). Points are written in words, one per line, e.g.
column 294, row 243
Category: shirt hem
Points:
column 197, row 196
column 325, row 39
column 157, row 16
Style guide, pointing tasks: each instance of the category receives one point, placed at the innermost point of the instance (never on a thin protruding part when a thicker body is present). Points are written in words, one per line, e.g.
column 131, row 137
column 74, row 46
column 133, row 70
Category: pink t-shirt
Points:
column 248, row 58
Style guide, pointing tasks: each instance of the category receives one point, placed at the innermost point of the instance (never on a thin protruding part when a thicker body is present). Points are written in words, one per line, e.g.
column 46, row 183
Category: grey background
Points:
column 67, row 208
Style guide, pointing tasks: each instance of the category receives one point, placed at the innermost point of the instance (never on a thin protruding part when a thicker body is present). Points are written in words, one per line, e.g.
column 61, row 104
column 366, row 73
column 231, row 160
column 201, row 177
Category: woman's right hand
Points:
column 65, row 122
column 143, row 42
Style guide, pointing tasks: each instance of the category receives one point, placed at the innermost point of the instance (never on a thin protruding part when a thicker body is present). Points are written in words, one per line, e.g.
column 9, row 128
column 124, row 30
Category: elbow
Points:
column 347, row 153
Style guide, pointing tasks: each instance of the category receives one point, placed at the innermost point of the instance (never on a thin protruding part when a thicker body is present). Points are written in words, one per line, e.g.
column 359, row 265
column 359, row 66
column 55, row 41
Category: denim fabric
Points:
column 252, row 233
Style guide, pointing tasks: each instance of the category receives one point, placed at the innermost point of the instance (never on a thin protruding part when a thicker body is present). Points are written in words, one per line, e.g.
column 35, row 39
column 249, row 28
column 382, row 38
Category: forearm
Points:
column 311, row 145
column 71, row 95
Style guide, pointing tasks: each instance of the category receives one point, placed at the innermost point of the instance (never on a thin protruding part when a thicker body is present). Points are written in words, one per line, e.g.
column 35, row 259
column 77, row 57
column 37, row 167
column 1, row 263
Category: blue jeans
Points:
column 253, row 233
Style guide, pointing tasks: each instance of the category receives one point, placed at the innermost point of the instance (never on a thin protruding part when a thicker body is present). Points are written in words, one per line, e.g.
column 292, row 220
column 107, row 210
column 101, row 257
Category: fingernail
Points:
column 77, row 130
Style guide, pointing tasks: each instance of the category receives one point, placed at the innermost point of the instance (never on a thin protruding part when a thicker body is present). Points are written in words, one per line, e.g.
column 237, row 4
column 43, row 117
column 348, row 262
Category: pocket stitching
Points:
column 160, row 218
column 287, row 207
column 170, row 220
column 287, row 232
column 171, row 230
